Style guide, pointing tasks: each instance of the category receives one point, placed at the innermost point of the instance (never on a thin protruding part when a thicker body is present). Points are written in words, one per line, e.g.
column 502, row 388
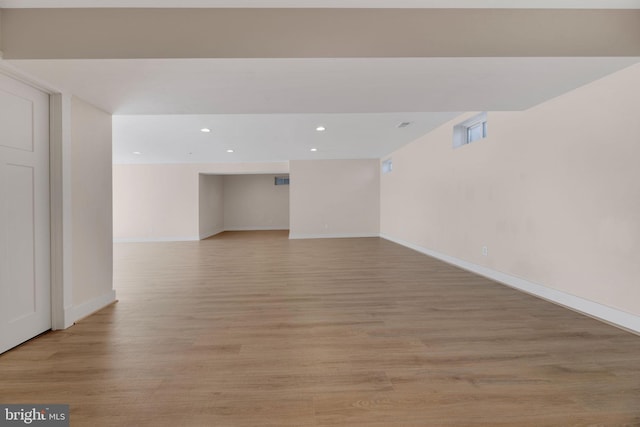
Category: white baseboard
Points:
column 213, row 233
column 622, row 319
column 191, row 238
column 293, row 236
column 75, row 313
column 257, row 228
column 156, row 239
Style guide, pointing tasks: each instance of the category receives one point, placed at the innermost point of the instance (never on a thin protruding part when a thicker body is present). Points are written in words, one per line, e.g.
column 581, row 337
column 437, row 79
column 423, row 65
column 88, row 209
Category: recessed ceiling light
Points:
column 229, row 151
column 205, row 130
column 137, row 152
column 314, row 149
column 321, row 128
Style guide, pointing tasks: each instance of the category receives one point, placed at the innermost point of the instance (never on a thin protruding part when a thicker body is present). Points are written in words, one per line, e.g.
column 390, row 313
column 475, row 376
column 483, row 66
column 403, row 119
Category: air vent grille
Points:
column 281, row 180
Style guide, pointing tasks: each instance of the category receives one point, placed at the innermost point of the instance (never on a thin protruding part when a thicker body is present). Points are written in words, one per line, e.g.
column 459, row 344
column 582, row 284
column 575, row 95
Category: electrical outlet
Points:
column 485, row 251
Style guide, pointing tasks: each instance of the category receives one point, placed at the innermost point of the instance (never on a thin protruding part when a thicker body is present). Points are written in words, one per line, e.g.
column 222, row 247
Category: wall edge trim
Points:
column 87, row 308
column 210, row 234
column 156, row 239
column 257, row 228
column 615, row 317
column 295, row 236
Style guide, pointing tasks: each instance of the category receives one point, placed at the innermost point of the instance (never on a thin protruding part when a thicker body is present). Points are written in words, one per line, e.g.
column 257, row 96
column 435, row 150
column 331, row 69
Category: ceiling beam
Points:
column 347, row 4
column 317, row 33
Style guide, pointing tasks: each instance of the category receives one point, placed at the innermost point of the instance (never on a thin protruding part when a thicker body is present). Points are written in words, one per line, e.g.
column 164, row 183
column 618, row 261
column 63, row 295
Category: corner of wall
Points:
column 212, row 233
column 61, row 211
column 91, row 205
column 78, row 312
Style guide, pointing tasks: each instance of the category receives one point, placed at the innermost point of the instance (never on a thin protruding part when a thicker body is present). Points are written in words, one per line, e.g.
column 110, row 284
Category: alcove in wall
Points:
column 242, row 202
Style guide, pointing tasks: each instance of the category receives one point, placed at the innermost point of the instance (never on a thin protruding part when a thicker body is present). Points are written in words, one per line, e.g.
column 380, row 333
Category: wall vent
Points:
column 281, row 180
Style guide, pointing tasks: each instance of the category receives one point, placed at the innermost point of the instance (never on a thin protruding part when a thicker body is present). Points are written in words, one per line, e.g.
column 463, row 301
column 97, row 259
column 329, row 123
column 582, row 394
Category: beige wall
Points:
column 211, row 205
column 155, row 202
column 302, row 33
column 334, row 198
column 161, row 202
column 553, row 192
column 92, row 253
column 253, row 202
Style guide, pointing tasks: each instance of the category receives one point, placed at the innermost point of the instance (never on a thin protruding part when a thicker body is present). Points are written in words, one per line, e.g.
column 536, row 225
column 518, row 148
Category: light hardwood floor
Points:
column 251, row 329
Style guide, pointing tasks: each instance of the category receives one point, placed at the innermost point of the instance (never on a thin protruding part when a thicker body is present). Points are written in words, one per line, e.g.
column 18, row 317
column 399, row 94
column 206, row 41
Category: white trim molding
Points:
column 157, row 239
column 10, row 70
column 613, row 316
column 59, row 210
column 60, row 192
column 211, row 233
column 78, row 312
column 258, row 228
column 294, row 236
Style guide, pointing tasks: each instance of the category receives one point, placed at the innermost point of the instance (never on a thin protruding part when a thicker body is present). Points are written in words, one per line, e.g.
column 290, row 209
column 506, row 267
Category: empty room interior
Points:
column 320, row 213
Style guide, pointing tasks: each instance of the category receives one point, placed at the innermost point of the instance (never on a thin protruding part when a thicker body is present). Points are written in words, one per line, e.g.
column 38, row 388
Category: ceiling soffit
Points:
column 317, row 33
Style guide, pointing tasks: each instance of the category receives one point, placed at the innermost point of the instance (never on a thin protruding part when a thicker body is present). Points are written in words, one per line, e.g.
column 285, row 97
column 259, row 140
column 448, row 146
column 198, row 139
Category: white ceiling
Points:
column 267, row 109
column 265, row 137
column 477, row 4
column 267, row 86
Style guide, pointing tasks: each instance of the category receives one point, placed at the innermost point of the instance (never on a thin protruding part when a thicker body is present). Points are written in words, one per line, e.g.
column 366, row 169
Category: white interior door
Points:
column 25, row 290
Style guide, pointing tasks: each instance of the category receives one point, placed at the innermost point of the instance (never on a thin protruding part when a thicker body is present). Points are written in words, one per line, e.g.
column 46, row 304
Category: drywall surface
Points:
column 253, row 202
column 92, row 252
column 553, row 193
column 211, row 205
column 334, row 198
column 162, row 202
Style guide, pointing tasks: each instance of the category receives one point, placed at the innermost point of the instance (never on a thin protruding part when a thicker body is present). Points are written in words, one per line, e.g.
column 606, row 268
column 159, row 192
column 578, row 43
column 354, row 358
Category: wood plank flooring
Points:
column 251, row 329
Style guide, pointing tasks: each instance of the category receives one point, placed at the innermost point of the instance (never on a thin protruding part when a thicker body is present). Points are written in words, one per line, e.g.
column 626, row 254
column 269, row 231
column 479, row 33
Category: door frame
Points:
column 59, row 196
